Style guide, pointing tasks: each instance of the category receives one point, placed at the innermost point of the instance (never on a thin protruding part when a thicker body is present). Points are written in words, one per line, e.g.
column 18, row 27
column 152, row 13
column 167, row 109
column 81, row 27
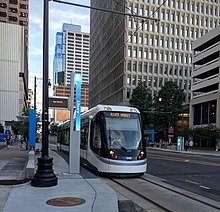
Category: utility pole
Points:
column 44, row 176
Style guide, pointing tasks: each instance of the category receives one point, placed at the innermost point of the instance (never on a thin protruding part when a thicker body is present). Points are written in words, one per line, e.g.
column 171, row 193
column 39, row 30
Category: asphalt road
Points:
column 196, row 173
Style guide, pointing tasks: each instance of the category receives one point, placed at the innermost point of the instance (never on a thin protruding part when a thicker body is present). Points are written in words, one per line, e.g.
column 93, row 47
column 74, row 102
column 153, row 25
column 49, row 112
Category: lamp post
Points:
column 44, row 176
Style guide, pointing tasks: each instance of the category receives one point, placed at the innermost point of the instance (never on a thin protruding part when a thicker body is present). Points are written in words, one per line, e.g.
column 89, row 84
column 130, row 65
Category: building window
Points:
column 3, row 14
column 129, row 79
column 3, row 5
column 140, row 67
column 23, row 6
column 13, row 10
column 11, row 18
column 135, row 66
column 129, row 66
column 23, row 14
column 13, row 1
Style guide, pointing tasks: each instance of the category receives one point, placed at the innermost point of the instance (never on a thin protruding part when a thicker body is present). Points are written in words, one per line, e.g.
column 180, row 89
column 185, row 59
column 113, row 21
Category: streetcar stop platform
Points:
column 82, row 192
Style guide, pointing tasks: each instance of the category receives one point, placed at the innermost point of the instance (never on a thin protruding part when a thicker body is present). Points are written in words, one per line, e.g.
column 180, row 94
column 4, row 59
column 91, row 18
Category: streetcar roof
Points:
column 93, row 111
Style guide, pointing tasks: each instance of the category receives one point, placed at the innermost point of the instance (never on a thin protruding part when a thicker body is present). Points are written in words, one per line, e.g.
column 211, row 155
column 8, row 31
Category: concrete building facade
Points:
column 13, row 97
column 205, row 93
column 15, row 12
column 126, row 50
column 71, row 54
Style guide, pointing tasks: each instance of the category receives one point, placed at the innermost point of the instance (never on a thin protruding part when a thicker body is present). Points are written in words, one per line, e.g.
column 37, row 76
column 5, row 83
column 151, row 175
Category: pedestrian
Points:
column 186, row 145
column 8, row 141
column 190, row 145
column 22, row 141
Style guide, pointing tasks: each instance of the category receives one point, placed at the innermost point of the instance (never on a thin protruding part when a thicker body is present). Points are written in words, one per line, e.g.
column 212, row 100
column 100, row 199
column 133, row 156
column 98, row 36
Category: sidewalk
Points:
column 87, row 193
column 193, row 151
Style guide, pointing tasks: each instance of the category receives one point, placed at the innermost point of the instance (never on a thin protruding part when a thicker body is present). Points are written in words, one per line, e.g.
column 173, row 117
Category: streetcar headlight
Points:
column 113, row 155
column 141, row 155
column 107, row 108
column 133, row 110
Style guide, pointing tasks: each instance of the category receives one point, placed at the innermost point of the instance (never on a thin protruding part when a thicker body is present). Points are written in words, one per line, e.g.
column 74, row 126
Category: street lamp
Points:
column 44, row 176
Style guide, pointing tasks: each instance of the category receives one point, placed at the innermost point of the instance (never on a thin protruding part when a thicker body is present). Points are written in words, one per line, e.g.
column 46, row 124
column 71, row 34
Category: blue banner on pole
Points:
column 32, row 128
column 77, row 82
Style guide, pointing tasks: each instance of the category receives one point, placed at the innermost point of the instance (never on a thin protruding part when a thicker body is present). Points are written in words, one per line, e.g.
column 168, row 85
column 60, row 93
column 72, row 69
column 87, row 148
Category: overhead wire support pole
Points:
column 106, row 10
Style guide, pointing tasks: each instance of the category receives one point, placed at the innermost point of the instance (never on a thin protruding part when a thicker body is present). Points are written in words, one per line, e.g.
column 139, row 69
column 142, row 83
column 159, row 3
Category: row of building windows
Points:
column 157, row 82
column 199, row 7
column 162, row 69
column 22, row 6
column 13, row 18
column 165, row 56
column 165, row 42
column 176, row 30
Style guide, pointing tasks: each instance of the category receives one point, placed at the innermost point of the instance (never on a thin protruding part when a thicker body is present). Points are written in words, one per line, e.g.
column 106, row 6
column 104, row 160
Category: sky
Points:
column 58, row 14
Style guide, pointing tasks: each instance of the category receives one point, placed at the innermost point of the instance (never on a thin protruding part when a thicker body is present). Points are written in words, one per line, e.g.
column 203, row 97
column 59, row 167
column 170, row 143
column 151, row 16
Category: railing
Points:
column 205, row 50
column 204, row 94
column 209, row 63
column 208, row 78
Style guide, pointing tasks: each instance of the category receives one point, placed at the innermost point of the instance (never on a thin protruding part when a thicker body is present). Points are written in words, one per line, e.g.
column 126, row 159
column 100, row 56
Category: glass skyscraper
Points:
column 71, row 54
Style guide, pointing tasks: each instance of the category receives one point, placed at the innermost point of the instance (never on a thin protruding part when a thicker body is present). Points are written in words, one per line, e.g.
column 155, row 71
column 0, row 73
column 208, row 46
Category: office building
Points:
column 15, row 12
column 13, row 95
column 126, row 50
column 205, row 102
column 71, row 54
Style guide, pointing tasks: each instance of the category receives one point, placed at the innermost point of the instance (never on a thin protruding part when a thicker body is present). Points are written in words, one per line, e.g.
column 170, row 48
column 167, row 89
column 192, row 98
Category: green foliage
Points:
column 21, row 127
column 53, row 129
column 1, row 128
column 142, row 100
column 206, row 132
column 167, row 105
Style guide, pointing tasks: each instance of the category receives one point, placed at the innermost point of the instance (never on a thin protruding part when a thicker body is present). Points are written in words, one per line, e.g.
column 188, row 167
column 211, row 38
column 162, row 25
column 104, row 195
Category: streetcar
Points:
column 111, row 141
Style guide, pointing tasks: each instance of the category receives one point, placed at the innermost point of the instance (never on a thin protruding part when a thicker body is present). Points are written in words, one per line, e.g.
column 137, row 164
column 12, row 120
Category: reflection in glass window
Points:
column 123, row 133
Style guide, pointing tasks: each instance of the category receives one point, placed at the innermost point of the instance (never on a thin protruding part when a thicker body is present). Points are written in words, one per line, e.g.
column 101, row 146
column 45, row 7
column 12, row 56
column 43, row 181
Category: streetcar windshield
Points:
column 123, row 132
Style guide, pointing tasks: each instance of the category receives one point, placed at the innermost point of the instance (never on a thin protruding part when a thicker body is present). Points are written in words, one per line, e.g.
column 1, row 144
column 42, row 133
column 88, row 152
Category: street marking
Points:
column 204, row 187
column 183, row 160
column 192, row 182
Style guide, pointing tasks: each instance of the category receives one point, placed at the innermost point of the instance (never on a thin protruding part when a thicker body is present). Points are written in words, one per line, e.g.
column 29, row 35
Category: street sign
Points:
column 7, row 129
column 57, row 102
column 170, row 132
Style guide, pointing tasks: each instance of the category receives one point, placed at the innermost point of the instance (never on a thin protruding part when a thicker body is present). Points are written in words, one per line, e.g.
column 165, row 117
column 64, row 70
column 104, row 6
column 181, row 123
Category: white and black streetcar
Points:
column 111, row 142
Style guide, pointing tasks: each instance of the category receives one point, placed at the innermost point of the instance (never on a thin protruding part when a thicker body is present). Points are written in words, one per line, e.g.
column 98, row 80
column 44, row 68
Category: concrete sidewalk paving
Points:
column 95, row 195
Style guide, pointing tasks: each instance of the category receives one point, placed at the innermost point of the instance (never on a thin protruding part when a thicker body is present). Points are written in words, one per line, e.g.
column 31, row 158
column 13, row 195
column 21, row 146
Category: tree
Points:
column 205, row 133
column 168, row 104
column 141, row 99
column 53, row 129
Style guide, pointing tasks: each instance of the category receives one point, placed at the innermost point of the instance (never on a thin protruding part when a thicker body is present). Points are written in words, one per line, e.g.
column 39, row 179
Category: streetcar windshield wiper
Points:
column 124, row 149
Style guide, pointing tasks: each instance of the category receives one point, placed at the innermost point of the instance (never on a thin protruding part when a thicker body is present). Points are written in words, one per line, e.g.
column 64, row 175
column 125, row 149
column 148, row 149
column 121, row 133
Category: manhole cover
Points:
column 65, row 201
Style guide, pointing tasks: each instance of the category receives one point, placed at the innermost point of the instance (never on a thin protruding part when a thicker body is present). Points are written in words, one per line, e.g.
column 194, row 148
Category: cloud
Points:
column 59, row 16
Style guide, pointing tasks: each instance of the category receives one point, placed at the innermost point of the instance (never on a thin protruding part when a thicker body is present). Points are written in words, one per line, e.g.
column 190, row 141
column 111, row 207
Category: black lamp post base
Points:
column 44, row 176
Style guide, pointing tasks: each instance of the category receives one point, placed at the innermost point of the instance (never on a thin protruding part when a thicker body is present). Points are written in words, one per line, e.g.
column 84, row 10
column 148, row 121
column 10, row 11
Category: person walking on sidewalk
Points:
column 22, row 140
column 190, row 145
column 186, row 145
column 8, row 139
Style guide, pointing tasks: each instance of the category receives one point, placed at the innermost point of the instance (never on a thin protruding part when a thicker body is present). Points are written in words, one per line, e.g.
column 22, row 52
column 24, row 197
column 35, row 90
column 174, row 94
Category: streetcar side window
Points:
column 96, row 141
column 84, row 136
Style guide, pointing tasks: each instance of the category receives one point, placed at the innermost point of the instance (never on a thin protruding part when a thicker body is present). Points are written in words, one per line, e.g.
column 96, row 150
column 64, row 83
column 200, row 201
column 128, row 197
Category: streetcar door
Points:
column 84, row 141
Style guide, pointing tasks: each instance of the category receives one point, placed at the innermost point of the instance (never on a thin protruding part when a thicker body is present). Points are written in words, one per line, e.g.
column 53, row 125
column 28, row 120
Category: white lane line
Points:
column 204, row 187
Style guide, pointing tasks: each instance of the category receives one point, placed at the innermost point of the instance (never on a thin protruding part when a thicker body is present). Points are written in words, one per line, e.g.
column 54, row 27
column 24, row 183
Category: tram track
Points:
column 140, row 195
column 166, row 197
column 186, row 194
